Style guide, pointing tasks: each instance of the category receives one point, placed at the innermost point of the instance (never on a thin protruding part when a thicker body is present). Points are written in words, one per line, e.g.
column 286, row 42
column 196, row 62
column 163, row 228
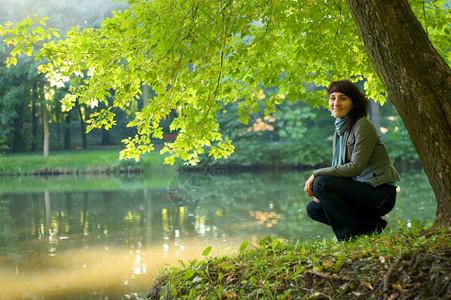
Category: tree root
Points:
column 420, row 274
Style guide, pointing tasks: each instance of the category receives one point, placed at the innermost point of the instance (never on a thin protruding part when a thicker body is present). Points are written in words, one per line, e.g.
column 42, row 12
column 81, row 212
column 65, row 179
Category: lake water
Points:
column 106, row 237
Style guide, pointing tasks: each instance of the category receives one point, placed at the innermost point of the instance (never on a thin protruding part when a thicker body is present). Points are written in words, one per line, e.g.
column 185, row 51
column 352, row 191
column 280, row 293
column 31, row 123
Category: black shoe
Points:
column 377, row 227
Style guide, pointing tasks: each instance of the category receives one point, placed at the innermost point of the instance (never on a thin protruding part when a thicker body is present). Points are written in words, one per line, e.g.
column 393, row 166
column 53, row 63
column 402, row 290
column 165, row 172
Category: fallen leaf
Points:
column 328, row 263
column 397, row 286
column 368, row 285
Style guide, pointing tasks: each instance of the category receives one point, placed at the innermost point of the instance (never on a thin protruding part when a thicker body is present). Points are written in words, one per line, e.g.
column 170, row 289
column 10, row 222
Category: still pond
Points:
column 103, row 237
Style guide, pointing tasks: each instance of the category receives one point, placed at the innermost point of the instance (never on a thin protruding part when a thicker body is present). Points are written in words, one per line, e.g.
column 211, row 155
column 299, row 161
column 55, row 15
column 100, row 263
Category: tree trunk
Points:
column 67, row 132
column 45, row 126
column 34, row 125
column 145, row 95
column 19, row 144
column 83, row 128
column 105, row 138
column 374, row 113
column 418, row 82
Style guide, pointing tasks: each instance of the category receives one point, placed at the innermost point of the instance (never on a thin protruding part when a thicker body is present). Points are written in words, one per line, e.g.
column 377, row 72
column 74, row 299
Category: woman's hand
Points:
column 308, row 188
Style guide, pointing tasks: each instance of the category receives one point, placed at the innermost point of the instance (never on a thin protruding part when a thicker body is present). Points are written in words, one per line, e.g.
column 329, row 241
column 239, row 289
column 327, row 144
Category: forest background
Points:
column 296, row 135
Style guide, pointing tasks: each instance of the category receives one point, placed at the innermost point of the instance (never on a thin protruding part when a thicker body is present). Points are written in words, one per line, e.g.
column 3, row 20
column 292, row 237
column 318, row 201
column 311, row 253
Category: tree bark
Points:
column 67, row 122
column 34, row 124
column 105, row 138
column 374, row 115
column 45, row 126
column 418, row 83
column 83, row 128
column 19, row 143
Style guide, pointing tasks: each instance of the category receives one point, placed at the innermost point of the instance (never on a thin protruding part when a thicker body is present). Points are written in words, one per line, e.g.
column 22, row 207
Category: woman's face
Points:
column 340, row 104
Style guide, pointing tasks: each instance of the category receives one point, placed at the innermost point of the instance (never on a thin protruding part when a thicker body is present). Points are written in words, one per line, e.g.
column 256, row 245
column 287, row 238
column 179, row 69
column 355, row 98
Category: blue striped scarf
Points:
column 340, row 125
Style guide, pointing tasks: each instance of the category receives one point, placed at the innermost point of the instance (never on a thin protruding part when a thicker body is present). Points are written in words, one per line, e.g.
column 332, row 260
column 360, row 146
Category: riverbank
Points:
column 106, row 161
column 408, row 264
column 101, row 161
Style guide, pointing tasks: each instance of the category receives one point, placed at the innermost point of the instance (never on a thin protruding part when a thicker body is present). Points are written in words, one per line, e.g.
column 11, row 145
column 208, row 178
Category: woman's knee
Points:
column 320, row 182
column 316, row 212
column 314, row 209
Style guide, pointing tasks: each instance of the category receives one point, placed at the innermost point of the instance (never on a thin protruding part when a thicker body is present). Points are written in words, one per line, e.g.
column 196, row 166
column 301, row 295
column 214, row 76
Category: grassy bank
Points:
column 78, row 161
column 408, row 264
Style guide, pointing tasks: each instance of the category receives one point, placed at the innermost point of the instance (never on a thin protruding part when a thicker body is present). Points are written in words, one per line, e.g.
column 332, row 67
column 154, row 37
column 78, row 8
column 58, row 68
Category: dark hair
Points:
column 359, row 100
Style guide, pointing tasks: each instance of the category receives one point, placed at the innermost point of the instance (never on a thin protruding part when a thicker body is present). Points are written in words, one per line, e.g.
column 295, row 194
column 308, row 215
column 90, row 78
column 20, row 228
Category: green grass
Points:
column 81, row 160
column 392, row 265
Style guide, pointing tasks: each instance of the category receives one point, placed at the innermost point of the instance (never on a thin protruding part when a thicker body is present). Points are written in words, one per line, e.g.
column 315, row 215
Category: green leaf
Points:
column 228, row 267
column 11, row 61
column 207, row 251
column 243, row 246
column 28, row 50
column 17, row 50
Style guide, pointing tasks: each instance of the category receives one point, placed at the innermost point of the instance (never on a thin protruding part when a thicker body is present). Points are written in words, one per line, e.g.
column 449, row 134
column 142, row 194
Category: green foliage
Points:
column 395, row 136
column 399, row 144
column 303, row 133
column 295, row 135
column 200, row 56
column 436, row 19
column 15, row 86
column 284, row 271
column 25, row 35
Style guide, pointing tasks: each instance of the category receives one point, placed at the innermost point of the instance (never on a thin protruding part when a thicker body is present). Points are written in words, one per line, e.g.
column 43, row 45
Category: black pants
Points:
column 350, row 207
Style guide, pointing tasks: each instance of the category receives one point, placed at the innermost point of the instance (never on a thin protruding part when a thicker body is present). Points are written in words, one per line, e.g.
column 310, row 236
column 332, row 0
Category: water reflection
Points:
column 93, row 241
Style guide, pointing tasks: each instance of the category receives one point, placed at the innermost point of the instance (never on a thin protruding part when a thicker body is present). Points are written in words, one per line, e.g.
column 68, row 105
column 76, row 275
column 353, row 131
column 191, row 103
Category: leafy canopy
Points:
column 199, row 55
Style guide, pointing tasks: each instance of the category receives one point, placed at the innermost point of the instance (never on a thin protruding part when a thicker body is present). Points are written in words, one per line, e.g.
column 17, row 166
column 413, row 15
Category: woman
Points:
column 359, row 188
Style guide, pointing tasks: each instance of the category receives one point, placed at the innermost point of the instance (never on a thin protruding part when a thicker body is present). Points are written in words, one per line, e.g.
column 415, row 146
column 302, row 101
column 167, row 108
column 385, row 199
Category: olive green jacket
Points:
column 366, row 158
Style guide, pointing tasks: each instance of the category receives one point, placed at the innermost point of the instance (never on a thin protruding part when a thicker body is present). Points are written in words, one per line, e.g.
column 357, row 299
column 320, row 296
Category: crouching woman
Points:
column 359, row 188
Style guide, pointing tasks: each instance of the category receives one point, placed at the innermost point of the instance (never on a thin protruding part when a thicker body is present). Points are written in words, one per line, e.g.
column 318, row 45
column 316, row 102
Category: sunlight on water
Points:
column 99, row 270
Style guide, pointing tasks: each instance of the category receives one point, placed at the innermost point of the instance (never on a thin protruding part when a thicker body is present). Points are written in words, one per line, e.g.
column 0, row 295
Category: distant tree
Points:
column 67, row 134
column 16, row 86
column 22, row 131
column 81, row 117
